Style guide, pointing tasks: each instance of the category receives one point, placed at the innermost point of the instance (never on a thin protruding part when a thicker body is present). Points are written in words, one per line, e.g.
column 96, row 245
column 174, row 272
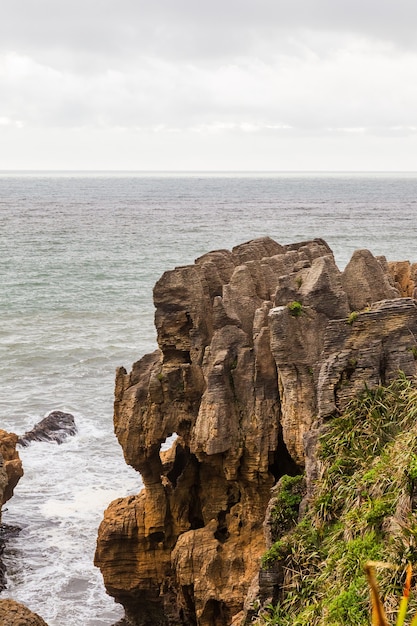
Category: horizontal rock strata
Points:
column 15, row 614
column 11, row 469
column 257, row 346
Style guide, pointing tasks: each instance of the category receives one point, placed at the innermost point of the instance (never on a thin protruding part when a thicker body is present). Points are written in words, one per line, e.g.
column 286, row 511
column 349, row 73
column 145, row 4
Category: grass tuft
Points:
column 295, row 308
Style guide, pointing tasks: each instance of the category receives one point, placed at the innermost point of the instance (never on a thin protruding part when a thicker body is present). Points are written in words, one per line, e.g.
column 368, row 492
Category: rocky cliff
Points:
column 257, row 347
column 10, row 473
column 11, row 469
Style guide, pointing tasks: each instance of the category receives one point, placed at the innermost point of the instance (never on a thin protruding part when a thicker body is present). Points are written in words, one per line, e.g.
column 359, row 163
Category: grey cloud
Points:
column 108, row 31
column 231, row 66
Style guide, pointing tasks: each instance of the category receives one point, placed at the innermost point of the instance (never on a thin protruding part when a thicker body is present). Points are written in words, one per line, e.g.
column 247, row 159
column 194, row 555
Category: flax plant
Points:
column 379, row 617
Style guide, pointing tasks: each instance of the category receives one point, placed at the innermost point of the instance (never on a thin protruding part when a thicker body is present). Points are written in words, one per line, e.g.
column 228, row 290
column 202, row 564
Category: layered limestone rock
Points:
column 10, row 473
column 15, row 614
column 257, row 346
column 11, row 469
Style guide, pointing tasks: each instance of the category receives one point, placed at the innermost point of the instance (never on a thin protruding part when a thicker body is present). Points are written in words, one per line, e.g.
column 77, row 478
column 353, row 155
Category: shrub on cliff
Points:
column 364, row 508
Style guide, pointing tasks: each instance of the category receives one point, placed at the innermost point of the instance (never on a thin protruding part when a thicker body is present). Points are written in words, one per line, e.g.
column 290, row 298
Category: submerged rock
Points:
column 6, row 531
column 57, row 426
column 257, row 347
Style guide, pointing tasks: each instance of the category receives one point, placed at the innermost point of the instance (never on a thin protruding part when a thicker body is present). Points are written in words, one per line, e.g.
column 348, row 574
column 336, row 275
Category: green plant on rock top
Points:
column 295, row 308
column 352, row 317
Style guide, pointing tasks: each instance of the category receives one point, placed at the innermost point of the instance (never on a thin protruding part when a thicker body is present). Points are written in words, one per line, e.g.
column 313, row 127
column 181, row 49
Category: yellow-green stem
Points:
column 402, row 611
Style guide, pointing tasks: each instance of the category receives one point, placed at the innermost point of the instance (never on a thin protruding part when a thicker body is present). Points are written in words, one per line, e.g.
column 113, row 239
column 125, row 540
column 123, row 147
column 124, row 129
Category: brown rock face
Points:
column 256, row 346
column 14, row 614
column 404, row 277
column 10, row 466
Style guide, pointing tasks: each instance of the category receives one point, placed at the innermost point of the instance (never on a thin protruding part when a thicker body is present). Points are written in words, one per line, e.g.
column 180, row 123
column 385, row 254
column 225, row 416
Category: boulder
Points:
column 15, row 614
column 56, row 427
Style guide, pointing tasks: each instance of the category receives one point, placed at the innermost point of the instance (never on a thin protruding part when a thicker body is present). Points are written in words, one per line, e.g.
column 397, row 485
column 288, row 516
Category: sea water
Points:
column 79, row 255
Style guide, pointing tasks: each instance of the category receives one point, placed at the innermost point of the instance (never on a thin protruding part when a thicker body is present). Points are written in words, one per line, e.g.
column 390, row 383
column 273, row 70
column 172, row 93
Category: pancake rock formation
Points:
column 257, row 347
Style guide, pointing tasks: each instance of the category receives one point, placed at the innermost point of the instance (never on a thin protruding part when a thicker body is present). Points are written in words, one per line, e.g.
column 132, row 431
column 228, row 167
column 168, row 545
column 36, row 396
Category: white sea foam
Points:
column 59, row 505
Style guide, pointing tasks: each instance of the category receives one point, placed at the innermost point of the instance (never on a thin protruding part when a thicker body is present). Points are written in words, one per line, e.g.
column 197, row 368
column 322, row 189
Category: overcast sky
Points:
column 213, row 85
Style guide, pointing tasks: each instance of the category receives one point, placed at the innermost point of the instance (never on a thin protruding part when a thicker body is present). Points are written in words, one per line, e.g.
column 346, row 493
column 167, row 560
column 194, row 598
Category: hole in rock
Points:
column 156, row 537
column 188, row 614
column 195, row 513
column 215, row 613
column 182, row 456
column 169, row 442
column 222, row 533
column 172, row 355
column 281, row 462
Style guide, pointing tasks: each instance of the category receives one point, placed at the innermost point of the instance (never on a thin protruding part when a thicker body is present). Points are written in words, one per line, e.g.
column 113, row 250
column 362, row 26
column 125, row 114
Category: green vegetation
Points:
column 364, row 509
column 295, row 308
column 285, row 511
column 352, row 317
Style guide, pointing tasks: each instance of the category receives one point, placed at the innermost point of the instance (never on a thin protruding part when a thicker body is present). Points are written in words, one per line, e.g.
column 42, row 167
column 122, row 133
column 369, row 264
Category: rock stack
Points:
column 258, row 346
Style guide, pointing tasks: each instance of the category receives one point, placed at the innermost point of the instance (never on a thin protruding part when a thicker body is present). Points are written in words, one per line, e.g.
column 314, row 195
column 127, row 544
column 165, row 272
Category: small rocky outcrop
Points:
column 15, row 614
column 11, row 472
column 11, row 469
column 55, row 427
column 257, row 347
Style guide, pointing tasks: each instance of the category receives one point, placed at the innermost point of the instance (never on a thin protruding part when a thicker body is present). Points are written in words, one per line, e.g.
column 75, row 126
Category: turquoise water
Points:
column 80, row 254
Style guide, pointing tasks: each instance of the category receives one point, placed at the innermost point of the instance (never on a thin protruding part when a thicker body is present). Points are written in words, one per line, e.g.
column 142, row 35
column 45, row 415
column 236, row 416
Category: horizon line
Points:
column 209, row 171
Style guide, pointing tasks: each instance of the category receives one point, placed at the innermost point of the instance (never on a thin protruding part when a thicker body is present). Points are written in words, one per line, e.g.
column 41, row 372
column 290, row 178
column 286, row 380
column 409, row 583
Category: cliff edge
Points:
column 258, row 346
column 11, row 470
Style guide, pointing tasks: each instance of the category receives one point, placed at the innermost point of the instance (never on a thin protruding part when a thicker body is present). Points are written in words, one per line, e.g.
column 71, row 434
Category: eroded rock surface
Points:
column 56, row 427
column 15, row 614
column 11, row 469
column 257, row 346
column 11, row 472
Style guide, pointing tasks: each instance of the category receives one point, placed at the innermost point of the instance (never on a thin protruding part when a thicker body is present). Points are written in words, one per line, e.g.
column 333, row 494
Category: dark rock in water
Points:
column 5, row 532
column 57, row 426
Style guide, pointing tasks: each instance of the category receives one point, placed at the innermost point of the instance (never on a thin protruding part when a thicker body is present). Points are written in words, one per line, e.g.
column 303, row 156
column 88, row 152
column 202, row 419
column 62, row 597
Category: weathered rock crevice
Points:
column 258, row 346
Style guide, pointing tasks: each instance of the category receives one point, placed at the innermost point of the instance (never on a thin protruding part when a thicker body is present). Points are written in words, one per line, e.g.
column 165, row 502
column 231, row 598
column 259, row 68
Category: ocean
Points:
column 80, row 253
